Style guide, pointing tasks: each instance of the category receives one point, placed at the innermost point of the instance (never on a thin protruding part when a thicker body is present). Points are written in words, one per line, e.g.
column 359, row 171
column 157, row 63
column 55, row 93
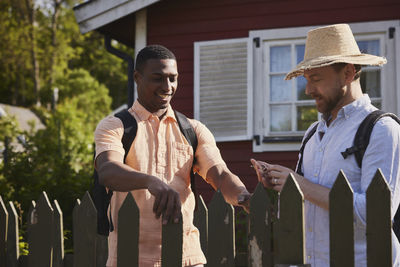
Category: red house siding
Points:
column 177, row 24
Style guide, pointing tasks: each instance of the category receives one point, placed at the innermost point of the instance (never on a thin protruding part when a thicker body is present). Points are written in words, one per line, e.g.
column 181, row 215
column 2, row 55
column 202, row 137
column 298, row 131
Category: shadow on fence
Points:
column 268, row 235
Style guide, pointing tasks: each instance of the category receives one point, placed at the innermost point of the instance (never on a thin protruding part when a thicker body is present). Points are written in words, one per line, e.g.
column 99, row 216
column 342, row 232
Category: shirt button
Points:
column 309, row 257
column 315, row 174
column 309, row 229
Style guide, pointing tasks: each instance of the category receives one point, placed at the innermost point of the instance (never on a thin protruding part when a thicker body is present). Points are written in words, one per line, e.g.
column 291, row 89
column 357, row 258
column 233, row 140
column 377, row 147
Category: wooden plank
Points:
column 3, row 232
column 341, row 227
column 128, row 233
column 200, row 220
column 171, row 245
column 260, row 234
column 41, row 235
column 221, row 232
column 379, row 224
column 291, row 249
column 58, row 236
column 12, row 236
column 85, row 233
column 101, row 250
column 31, row 220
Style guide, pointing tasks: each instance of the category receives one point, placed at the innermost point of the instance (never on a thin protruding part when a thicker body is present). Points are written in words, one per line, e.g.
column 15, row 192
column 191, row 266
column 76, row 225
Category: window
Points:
column 222, row 88
column 282, row 110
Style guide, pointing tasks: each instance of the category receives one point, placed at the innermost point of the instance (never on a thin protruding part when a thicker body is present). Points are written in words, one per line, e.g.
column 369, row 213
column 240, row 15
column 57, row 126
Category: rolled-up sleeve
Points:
column 108, row 135
column 383, row 152
column 207, row 152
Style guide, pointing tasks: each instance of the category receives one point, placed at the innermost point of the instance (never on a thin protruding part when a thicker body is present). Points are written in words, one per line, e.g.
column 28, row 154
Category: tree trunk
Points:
column 54, row 21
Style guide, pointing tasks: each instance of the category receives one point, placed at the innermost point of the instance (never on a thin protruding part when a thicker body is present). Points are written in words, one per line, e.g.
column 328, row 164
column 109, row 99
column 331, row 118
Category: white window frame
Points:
column 390, row 82
column 196, row 93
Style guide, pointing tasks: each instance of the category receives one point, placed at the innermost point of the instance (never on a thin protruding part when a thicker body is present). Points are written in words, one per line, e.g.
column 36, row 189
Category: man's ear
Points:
column 136, row 76
column 349, row 73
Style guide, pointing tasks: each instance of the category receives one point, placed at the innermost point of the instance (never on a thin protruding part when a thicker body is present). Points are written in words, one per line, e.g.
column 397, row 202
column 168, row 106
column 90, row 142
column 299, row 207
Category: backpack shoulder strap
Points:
column 187, row 129
column 130, row 129
column 303, row 145
column 190, row 135
column 363, row 134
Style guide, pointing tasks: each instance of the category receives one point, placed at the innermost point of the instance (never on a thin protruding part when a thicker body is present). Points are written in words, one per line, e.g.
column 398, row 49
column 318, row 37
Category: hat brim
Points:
column 360, row 59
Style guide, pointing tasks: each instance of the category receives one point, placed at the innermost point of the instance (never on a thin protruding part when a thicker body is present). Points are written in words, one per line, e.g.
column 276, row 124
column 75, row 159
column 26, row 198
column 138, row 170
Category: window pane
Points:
column 299, row 53
column 371, row 82
column 369, row 47
column 305, row 116
column 280, row 118
column 280, row 89
column 280, row 58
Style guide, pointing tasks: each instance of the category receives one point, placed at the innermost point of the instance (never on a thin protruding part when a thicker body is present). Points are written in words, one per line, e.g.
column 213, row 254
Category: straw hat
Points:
column 332, row 44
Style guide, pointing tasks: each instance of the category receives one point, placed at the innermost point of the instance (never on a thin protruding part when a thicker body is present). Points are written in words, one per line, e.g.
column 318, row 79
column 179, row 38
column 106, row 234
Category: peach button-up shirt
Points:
column 159, row 149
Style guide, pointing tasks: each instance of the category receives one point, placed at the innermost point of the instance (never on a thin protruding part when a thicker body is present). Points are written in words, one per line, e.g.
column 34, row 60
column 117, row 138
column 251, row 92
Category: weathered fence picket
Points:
column 128, row 233
column 85, row 232
column 221, row 233
column 3, row 232
column 200, row 220
column 12, row 246
column 41, row 246
column 341, row 221
column 260, row 233
column 58, row 236
column 379, row 223
column 274, row 241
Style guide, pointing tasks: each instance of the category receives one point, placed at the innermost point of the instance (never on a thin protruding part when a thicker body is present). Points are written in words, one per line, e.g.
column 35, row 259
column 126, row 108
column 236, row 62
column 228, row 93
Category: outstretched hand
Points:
column 167, row 201
column 271, row 176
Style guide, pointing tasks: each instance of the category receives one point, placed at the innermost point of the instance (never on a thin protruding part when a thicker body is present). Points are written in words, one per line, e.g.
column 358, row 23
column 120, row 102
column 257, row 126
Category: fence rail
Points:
column 268, row 235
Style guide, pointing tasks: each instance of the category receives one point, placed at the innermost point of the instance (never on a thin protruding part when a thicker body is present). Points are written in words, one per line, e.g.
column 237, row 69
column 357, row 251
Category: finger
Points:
column 157, row 199
column 177, row 215
column 170, row 207
column 257, row 169
column 162, row 205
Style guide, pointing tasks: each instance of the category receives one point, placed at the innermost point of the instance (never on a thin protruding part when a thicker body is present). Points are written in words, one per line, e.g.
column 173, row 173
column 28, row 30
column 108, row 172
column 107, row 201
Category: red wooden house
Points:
column 232, row 57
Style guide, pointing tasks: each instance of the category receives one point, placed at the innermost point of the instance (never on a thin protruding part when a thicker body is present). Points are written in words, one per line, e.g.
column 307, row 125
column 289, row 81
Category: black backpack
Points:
column 360, row 144
column 101, row 197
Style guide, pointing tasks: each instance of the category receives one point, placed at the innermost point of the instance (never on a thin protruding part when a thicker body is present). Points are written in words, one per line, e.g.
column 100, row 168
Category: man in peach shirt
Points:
column 157, row 167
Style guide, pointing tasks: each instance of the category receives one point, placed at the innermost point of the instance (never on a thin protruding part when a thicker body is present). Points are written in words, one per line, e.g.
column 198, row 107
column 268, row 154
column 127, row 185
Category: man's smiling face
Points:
column 157, row 84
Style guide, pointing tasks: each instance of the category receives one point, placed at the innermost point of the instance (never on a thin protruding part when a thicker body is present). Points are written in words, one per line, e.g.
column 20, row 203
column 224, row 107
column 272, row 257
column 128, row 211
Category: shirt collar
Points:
column 143, row 114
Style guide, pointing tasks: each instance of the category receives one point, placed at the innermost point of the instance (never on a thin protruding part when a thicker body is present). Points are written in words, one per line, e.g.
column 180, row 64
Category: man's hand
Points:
column 244, row 201
column 167, row 201
column 271, row 176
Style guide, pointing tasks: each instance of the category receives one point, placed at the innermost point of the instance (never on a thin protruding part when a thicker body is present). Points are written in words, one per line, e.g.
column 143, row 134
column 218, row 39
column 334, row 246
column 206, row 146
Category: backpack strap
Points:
column 363, row 134
column 301, row 151
column 190, row 135
column 130, row 129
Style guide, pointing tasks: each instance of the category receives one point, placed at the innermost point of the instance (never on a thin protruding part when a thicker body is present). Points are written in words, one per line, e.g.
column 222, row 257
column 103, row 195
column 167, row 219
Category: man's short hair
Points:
column 152, row 52
column 339, row 66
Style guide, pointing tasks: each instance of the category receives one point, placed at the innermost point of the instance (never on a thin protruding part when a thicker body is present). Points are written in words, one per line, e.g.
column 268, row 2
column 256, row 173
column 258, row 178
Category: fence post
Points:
column 341, row 224
column 171, row 247
column 40, row 246
column 85, row 232
column 379, row 224
column 221, row 233
column 3, row 232
column 291, row 249
column 58, row 236
column 200, row 220
column 260, row 234
column 12, row 237
column 128, row 233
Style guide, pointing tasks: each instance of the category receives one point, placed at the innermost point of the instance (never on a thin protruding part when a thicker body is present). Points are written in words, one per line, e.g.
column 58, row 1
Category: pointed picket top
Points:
column 291, row 248
column 12, row 236
column 128, row 233
column 58, row 236
column 221, row 232
column 260, row 234
column 3, row 232
column 85, row 232
column 341, row 221
column 31, row 216
column 171, row 244
column 379, row 224
column 200, row 220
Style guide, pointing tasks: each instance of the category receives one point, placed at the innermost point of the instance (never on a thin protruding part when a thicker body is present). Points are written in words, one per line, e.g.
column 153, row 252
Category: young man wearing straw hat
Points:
column 331, row 66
